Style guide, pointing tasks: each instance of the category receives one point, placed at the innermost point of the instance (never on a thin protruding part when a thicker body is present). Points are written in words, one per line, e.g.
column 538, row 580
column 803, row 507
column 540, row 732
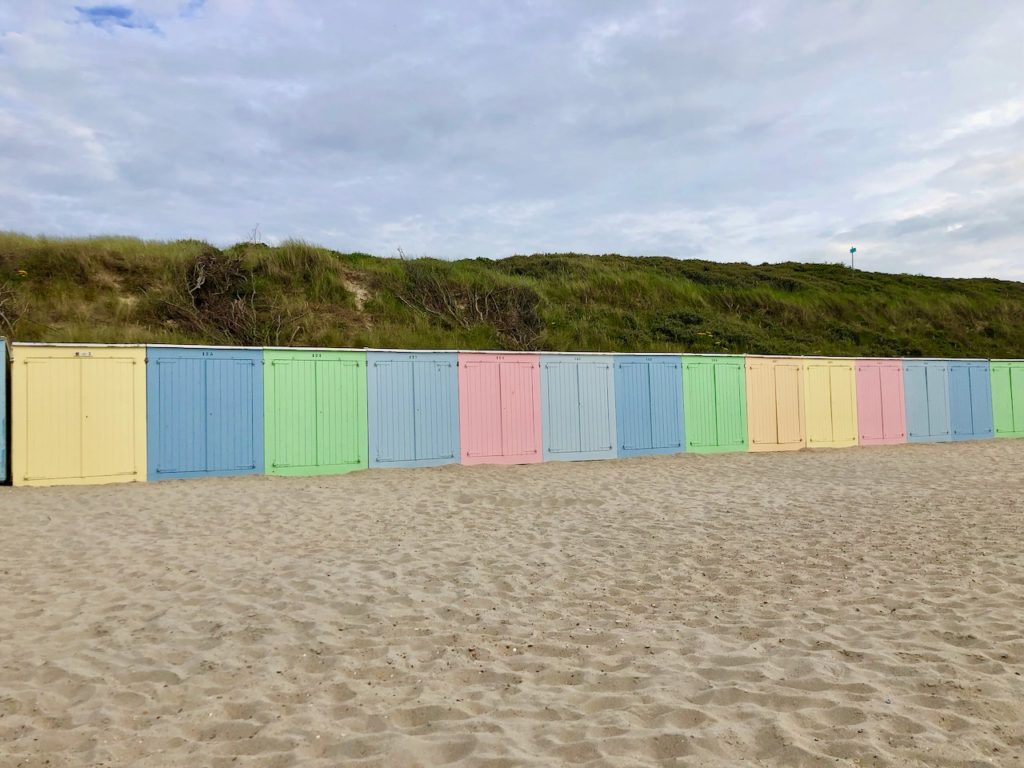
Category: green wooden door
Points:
column 1008, row 398
column 715, row 404
column 731, row 403
column 315, row 412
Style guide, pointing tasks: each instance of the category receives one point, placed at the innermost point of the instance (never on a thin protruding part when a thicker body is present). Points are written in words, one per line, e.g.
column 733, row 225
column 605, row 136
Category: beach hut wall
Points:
column 315, row 411
column 715, row 403
column 881, row 414
column 830, row 402
column 775, row 403
column 970, row 400
column 4, row 372
column 578, row 407
column 926, row 394
column 204, row 411
column 499, row 408
column 78, row 414
column 648, row 404
column 1008, row 397
column 413, row 408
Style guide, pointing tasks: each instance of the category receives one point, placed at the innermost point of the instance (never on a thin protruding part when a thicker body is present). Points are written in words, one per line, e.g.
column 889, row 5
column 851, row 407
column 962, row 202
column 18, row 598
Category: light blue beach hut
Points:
column 926, row 394
column 578, row 406
column 413, row 408
column 204, row 411
column 648, row 404
column 970, row 400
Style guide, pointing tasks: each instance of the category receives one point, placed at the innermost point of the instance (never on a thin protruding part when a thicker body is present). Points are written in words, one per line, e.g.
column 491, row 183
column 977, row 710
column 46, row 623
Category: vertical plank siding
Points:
column 648, row 405
column 413, row 402
column 775, row 404
column 578, row 406
column 93, row 413
column 830, row 403
column 926, row 394
column 204, row 412
column 499, row 408
column 970, row 400
column 881, row 415
column 314, row 412
column 78, row 414
column 1008, row 397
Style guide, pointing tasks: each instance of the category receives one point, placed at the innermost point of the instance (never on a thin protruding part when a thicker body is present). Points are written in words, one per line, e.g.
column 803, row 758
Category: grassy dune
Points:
column 114, row 289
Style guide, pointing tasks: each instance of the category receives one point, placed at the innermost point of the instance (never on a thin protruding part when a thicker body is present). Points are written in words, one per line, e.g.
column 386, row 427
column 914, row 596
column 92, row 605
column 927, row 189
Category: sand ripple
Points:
column 861, row 607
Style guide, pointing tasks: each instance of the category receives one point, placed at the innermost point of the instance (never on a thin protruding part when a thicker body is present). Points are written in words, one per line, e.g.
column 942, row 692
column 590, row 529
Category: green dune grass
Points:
column 115, row 289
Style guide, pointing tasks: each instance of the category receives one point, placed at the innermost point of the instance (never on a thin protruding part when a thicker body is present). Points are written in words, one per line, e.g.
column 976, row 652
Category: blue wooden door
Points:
column 176, row 428
column 413, row 401
column 970, row 400
column 938, row 401
column 648, row 405
column 561, row 392
column 391, row 399
column 435, row 410
column 926, row 394
column 633, row 408
column 204, row 412
column 578, row 407
column 234, row 427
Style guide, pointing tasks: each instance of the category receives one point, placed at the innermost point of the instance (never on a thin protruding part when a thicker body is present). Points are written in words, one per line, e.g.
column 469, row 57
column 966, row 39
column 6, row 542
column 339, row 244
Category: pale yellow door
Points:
column 844, row 404
column 53, row 408
column 819, row 404
column 763, row 424
column 109, row 426
column 789, row 399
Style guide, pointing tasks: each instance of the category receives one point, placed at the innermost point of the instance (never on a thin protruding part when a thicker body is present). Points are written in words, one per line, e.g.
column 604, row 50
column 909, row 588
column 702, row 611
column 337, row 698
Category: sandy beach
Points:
column 820, row 608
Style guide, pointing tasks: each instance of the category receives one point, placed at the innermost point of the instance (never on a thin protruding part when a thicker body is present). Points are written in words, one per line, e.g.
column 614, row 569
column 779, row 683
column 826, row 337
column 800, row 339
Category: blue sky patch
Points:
column 107, row 16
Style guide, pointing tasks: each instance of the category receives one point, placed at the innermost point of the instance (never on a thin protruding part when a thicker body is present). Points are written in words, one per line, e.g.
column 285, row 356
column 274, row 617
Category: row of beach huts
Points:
column 82, row 414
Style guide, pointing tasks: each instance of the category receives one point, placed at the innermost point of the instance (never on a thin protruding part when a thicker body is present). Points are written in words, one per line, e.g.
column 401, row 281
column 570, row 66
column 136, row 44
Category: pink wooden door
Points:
column 881, row 416
column 499, row 408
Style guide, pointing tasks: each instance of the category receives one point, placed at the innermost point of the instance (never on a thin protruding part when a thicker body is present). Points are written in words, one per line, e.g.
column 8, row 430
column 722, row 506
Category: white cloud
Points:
column 1003, row 115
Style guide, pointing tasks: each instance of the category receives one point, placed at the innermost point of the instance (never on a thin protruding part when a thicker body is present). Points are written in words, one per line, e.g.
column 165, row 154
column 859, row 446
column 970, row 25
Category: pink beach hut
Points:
column 499, row 408
column 881, row 415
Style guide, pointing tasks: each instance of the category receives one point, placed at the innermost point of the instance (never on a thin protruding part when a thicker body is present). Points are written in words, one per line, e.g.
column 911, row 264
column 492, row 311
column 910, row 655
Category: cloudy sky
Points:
column 718, row 129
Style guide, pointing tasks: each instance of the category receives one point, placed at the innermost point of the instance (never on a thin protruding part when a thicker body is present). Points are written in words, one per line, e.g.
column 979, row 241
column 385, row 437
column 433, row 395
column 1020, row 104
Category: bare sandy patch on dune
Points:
column 858, row 607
